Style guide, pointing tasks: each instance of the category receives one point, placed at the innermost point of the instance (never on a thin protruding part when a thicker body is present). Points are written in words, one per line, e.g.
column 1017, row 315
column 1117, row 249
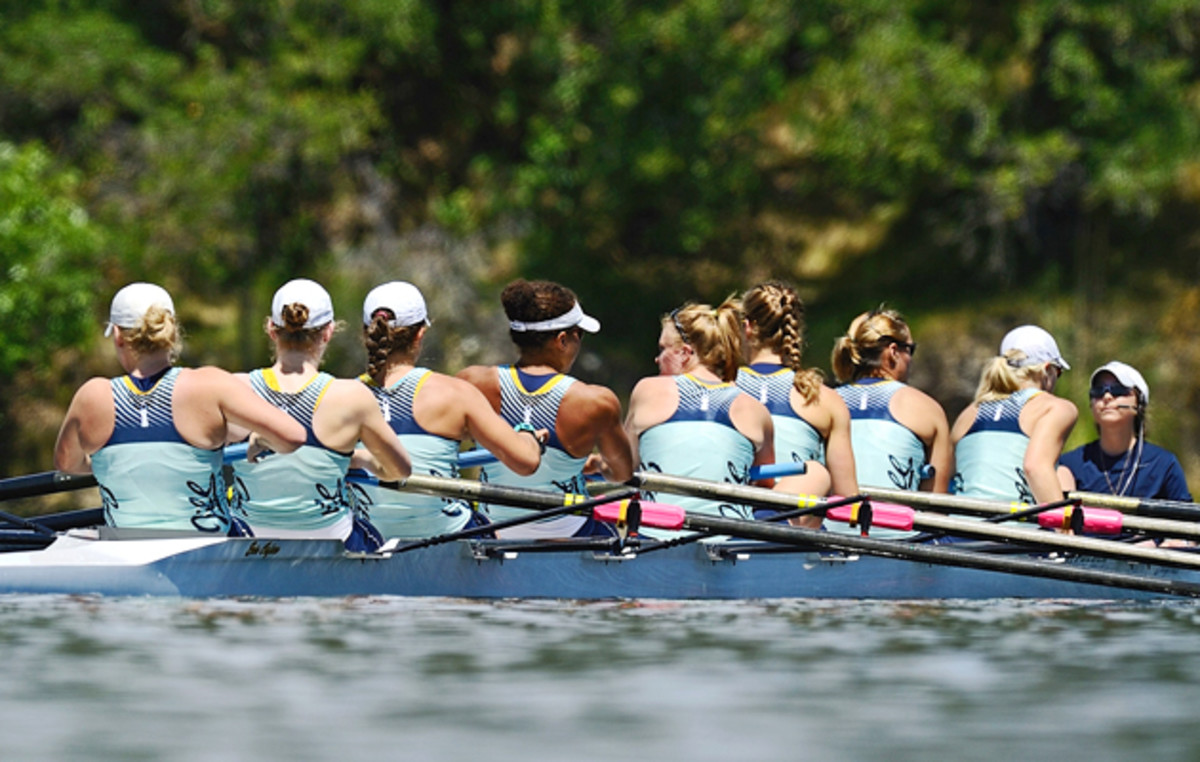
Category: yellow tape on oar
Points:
column 808, row 501
column 571, row 499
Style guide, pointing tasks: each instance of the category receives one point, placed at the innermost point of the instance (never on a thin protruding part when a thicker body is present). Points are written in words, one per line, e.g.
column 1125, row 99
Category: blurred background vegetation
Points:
column 975, row 165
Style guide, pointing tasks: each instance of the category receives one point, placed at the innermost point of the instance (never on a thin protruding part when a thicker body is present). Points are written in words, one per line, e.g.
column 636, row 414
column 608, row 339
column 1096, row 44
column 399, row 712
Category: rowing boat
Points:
column 115, row 563
column 755, row 560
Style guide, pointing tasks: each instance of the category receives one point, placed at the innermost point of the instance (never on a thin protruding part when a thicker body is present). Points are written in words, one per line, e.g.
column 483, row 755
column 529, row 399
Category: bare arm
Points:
column 1050, row 432
column 241, row 407
column 391, row 459
column 652, row 401
column 1066, row 479
column 517, row 450
column 601, row 411
column 941, row 451
column 87, row 426
column 233, row 431
column 839, row 452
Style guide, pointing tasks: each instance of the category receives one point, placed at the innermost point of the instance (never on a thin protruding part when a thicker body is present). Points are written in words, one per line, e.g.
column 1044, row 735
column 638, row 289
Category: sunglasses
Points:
column 1115, row 389
column 907, row 346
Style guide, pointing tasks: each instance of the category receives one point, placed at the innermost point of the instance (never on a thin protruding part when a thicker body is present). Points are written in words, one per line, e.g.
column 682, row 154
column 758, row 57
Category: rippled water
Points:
column 391, row 678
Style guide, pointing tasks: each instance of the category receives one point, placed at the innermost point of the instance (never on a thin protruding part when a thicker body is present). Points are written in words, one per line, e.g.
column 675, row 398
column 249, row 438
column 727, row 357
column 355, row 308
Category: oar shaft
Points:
column 757, row 496
column 737, row 493
column 1142, row 506
column 936, row 554
column 45, row 483
column 981, row 507
column 466, row 489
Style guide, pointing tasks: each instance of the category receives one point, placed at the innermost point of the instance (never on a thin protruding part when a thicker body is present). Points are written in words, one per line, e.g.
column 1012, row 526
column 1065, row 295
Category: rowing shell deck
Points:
column 78, row 563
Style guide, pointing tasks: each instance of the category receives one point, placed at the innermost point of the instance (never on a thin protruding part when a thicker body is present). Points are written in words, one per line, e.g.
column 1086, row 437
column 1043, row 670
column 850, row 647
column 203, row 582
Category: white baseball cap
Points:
column 1037, row 344
column 569, row 319
column 1127, row 375
column 307, row 292
column 131, row 303
column 402, row 299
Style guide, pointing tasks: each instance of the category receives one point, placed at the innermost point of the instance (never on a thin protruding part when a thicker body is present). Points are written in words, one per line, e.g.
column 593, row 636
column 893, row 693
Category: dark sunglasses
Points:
column 907, row 346
column 1115, row 389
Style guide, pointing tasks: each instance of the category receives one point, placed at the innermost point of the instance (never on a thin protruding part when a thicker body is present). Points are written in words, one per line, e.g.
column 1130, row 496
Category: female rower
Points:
column 812, row 425
column 1008, row 440
column 153, row 437
column 1120, row 461
column 901, row 435
column 432, row 413
column 303, row 494
column 692, row 420
column 547, row 325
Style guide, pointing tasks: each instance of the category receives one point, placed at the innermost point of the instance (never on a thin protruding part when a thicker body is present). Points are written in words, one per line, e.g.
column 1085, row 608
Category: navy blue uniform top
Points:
column 1156, row 474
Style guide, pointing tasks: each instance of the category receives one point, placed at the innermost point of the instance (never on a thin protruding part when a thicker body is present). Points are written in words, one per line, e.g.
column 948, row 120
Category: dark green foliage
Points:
column 942, row 156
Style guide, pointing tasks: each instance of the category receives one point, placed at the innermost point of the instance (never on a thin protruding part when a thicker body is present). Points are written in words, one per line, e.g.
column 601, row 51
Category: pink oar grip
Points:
column 655, row 515
column 884, row 515
column 1095, row 520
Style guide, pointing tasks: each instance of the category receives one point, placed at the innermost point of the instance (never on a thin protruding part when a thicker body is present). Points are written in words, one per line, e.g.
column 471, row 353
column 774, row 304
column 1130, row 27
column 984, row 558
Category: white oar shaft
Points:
column 1046, row 539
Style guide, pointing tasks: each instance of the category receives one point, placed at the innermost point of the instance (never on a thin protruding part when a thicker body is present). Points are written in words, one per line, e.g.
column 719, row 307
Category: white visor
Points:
column 573, row 317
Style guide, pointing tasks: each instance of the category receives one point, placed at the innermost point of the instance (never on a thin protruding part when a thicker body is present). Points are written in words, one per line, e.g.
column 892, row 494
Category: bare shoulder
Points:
column 439, row 386
column 962, row 424
column 477, row 375
column 920, row 402
column 751, row 406
column 350, row 391
column 832, row 401
column 206, row 377
column 598, row 397
column 1060, row 409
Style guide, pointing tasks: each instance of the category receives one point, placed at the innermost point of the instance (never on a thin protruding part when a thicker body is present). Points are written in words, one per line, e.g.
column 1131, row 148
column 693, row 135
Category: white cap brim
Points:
column 1126, row 374
column 569, row 319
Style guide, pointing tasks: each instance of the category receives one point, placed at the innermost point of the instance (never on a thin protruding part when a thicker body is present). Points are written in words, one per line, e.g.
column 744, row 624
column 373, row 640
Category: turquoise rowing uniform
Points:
column 149, row 476
column 991, row 455
column 795, row 438
column 699, row 441
column 526, row 398
column 408, row 514
column 886, row 452
column 302, row 493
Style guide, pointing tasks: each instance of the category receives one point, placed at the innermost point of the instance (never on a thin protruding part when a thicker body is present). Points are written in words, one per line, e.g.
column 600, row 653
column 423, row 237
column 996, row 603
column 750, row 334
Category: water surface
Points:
column 393, row 678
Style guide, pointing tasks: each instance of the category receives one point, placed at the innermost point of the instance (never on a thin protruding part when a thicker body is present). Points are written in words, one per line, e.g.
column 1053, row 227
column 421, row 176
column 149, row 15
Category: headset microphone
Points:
column 1124, row 407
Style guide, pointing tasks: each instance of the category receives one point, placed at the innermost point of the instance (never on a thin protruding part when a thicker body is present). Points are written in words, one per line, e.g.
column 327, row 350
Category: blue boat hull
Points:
column 221, row 567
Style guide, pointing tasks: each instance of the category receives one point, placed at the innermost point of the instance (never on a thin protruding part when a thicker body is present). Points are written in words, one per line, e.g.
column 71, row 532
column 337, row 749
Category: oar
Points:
column 45, row 483
column 481, row 457
column 757, row 496
column 394, row 545
column 935, row 554
column 1088, row 519
column 547, row 504
column 1142, row 506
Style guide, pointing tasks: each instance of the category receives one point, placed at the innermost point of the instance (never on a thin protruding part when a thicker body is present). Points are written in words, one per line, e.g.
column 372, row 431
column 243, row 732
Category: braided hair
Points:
column 777, row 314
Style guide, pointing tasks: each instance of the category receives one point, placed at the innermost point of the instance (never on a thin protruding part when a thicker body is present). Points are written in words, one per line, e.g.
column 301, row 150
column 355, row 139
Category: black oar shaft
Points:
column 937, row 554
column 45, row 483
column 537, row 515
